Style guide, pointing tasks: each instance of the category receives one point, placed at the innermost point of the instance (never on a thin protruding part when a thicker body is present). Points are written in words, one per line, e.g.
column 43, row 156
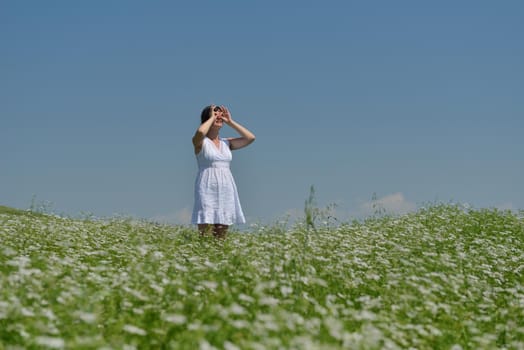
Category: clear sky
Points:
column 414, row 101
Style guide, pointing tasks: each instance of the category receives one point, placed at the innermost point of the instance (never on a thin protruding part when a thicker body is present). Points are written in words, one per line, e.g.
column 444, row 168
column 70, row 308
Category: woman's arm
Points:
column 247, row 136
column 202, row 131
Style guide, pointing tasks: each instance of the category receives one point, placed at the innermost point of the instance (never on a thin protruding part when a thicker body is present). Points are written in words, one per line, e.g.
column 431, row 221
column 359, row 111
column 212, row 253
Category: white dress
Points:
column 216, row 195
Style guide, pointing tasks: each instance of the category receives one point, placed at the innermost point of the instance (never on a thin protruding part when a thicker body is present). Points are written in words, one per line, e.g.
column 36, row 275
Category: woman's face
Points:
column 217, row 111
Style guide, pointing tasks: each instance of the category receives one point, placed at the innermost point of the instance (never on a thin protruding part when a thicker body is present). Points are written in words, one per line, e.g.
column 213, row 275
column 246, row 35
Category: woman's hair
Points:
column 204, row 116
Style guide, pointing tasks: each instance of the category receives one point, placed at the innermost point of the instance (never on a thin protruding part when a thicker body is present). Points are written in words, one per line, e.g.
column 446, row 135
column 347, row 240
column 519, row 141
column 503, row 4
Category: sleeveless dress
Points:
column 216, row 195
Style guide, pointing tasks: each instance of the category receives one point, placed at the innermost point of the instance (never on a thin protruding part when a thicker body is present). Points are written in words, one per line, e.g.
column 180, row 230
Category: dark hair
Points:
column 204, row 116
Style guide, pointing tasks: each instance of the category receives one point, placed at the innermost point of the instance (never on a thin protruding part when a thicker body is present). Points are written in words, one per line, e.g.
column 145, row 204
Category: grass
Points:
column 11, row 211
column 444, row 277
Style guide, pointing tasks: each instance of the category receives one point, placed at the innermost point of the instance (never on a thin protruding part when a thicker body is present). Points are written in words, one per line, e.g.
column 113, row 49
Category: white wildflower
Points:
column 50, row 342
column 334, row 327
column 49, row 314
column 204, row 345
column 209, row 264
column 27, row 312
column 134, row 330
column 157, row 288
column 175, row 318
column 319, row 281
column 285, row 290
column 180, row 267
column 365, row 315
column 210, row 284
column 143, row 249
column 236, row 309
column 372, row 336
column 19, row 261
column 269, row 301
column 87, row 317
column 194, row 326
column 158, row 255
column 239, row 324
column 245, row 298
column 230, row 346
column 136, row 294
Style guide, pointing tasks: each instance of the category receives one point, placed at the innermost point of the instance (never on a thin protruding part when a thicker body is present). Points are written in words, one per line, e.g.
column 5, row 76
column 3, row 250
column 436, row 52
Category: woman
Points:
column 216, row 198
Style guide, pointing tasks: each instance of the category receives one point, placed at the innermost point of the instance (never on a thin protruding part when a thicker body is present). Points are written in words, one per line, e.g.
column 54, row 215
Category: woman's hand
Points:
column 226, row 115
column 212, row 113
column 247, row 136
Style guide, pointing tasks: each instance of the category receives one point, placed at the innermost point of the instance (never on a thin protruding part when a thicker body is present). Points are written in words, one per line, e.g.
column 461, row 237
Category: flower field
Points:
column 444, row 277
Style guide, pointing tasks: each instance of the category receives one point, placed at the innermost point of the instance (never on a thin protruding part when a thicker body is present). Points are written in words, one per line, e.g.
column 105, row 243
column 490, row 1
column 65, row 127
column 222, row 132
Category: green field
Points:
column 444, row 277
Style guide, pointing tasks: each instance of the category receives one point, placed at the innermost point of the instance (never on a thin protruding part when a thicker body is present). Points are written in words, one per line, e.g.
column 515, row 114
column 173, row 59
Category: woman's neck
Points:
column 212, row 134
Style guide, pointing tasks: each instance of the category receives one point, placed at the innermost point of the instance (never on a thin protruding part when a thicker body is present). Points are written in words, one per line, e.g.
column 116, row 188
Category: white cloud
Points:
column 394, row 203
column 178, row 217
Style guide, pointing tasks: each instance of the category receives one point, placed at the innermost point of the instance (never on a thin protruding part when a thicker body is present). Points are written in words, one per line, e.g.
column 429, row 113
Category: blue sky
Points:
column 415, row 102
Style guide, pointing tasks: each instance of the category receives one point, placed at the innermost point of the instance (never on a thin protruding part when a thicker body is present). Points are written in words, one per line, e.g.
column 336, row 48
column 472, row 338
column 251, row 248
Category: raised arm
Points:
column 202, row 130
column 247, row 137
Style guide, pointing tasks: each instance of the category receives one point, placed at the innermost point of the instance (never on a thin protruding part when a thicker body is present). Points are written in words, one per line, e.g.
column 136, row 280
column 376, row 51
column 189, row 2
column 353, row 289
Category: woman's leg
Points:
column 220, row 230
column 204, row 229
